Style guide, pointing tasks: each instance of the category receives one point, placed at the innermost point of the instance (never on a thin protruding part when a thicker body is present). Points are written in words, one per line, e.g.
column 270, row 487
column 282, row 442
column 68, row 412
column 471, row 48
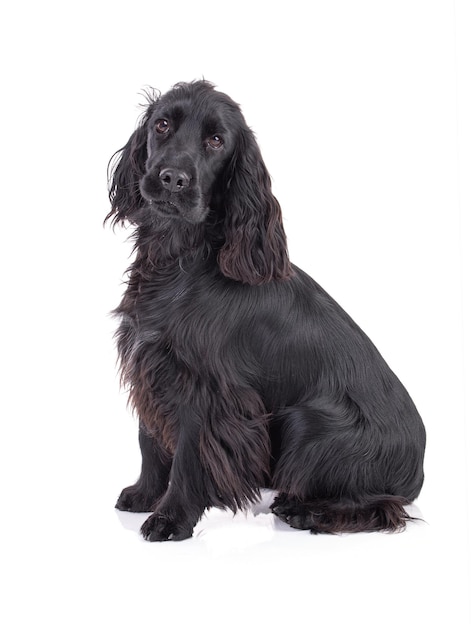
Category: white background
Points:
column 362, row 110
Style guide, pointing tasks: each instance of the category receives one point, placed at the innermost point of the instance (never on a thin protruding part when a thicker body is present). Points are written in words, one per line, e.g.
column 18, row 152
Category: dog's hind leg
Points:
column 375, row 513
column 336, row 472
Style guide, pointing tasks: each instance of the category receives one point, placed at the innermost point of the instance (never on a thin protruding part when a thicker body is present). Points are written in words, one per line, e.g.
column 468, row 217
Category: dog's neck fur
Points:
column 171, row 240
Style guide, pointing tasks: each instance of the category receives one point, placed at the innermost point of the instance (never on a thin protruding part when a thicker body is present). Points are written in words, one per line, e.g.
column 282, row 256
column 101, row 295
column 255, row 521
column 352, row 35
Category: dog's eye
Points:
column 215, row 142
column 162, row 126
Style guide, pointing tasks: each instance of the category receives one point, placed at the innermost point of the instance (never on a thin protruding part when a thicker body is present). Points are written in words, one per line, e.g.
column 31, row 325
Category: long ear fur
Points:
column 126, row 168
column 255, row 247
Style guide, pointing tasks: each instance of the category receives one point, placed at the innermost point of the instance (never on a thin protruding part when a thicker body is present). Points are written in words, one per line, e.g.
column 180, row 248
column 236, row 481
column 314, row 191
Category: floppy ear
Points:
column 126, row 168
column 255, row 247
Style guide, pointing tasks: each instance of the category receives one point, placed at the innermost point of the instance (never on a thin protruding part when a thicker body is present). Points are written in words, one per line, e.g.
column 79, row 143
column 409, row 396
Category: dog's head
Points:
column 173, row 160
column 191, row 155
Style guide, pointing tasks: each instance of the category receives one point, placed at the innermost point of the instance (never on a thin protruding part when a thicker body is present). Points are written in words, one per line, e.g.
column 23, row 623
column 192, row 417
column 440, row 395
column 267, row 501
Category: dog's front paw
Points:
column 158, row 527
column 136, row 500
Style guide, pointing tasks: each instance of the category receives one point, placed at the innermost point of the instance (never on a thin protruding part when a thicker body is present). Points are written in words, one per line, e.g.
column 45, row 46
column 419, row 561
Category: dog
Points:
column 244, row 373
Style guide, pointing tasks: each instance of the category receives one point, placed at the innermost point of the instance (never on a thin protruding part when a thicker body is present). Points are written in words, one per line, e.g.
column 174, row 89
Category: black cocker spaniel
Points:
column 243, row 372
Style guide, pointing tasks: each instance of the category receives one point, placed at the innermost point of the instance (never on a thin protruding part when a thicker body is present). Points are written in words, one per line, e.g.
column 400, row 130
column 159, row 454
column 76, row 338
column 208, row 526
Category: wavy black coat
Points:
column 243, row 372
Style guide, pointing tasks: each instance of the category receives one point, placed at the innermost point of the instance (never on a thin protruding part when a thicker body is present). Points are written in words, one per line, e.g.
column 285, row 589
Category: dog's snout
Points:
column 174, row 180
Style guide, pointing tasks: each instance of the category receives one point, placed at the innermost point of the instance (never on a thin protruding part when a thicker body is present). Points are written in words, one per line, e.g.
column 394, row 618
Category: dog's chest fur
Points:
column 168, row 349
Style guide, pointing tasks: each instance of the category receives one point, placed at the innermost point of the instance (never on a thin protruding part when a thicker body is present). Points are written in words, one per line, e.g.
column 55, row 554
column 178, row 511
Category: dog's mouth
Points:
column 169, row 209
column 164, row 206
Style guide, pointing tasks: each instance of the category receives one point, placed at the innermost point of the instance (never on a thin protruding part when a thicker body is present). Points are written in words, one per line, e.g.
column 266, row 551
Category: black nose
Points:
column 174, row 180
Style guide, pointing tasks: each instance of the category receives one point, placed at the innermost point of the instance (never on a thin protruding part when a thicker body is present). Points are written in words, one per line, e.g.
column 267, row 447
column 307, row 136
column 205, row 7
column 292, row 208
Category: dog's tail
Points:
column 375, row 513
